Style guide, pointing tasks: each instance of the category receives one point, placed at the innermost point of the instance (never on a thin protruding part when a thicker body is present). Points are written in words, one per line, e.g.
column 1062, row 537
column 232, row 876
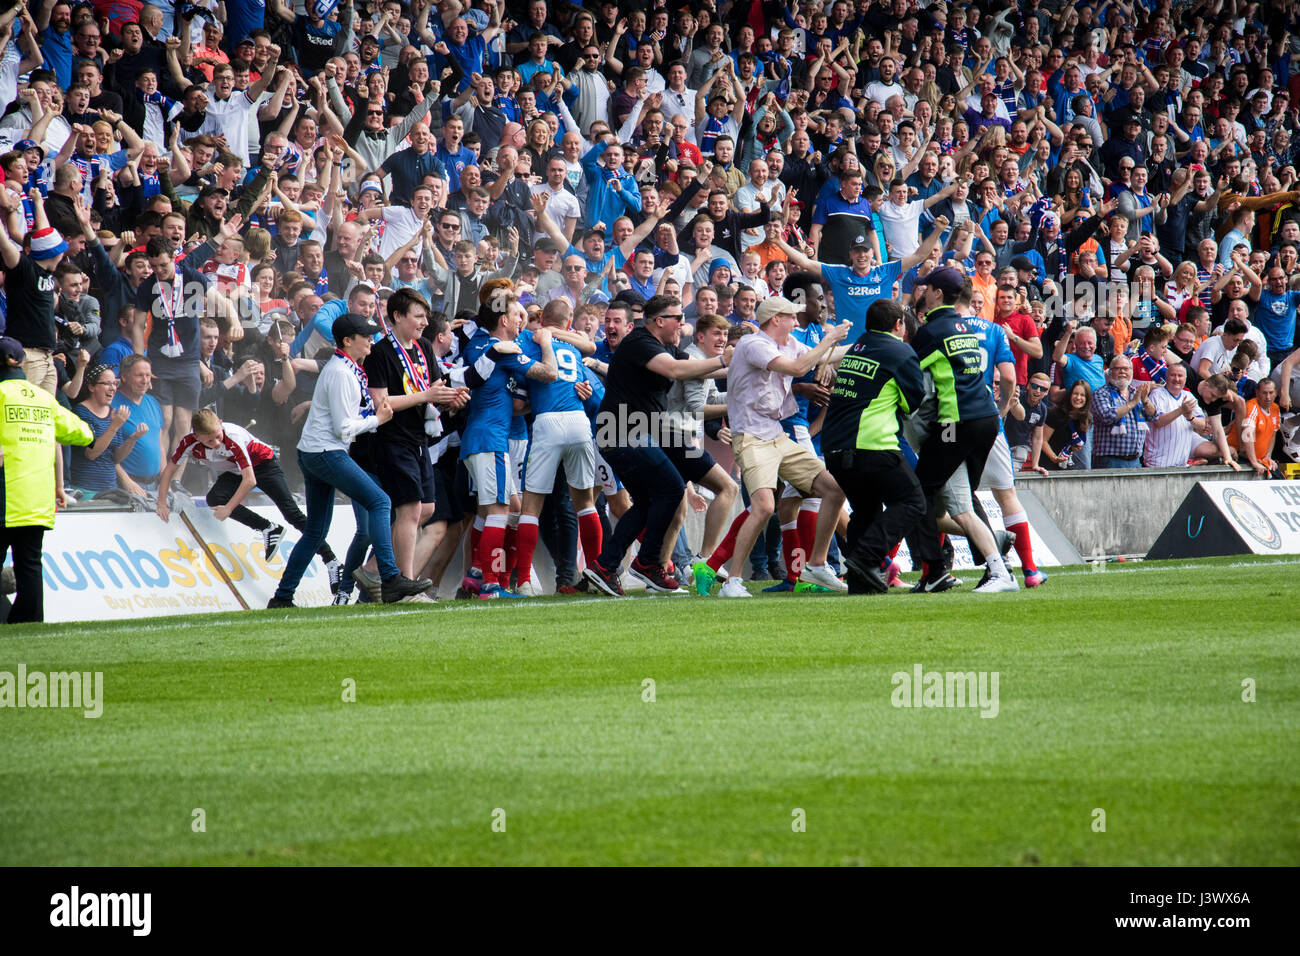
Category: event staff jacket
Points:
column 879, row 380
column 950, row 351
column 32, row 425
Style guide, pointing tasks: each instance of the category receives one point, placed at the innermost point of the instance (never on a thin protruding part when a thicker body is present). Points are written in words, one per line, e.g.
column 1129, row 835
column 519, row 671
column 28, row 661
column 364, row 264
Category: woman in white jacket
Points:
column 342, row 409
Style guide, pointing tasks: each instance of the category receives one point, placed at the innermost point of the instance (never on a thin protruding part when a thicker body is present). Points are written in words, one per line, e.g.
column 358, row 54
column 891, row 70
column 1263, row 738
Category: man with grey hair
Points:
column 1121, row 413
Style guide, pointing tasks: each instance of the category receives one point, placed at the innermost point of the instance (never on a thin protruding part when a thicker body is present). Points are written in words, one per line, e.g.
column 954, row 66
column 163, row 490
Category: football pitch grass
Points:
column 1119, row 692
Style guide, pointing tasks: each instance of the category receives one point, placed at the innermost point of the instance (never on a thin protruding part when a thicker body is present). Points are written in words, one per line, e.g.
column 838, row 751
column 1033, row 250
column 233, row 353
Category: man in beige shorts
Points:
column 758, row 399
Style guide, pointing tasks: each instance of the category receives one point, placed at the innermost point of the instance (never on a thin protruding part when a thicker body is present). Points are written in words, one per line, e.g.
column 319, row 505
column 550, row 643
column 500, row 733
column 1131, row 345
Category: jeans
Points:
column 324, row 472
column 558, row 527
column 1110, row 461
column 270, row 479
column 656, row 489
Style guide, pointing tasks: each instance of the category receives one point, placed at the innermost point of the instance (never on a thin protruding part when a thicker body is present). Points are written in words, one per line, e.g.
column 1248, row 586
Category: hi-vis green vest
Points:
column 32, row 426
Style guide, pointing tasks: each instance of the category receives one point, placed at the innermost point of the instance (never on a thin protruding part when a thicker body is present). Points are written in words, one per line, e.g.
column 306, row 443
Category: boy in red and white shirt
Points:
column 241, row 463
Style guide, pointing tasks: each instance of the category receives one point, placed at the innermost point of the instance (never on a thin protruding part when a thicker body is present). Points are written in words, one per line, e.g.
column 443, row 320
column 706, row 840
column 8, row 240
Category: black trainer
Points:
column 276, row 603
column 604, row 581
column 399, row 586
column 656, row 578
column 865, row 580
column 271, row 539
column 934, row 582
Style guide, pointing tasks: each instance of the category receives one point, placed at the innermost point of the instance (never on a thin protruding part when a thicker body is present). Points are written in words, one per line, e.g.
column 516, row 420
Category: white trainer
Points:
column 734, row 588
column 998, row 584
column 528, row 588
column 822, row 574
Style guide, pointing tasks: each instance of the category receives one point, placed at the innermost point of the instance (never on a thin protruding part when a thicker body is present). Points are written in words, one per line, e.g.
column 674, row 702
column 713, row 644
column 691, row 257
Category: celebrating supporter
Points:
column 188, row 191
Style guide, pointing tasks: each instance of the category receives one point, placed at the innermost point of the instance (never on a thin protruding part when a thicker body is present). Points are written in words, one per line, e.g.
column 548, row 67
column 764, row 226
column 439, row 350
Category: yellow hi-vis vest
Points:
column 32, row 426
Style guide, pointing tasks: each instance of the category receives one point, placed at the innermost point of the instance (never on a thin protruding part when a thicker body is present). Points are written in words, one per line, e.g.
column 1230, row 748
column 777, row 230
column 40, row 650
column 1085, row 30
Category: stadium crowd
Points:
column 515, row 271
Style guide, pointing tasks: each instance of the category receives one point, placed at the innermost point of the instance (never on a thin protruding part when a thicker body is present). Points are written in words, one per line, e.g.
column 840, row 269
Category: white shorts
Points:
column 489, row 477
column 605, row 478
column 560, row 437
column 997, row 470
column 515, row 461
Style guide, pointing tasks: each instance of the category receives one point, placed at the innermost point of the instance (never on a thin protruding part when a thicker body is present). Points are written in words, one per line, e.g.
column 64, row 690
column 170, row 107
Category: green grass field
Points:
column 1120, row 691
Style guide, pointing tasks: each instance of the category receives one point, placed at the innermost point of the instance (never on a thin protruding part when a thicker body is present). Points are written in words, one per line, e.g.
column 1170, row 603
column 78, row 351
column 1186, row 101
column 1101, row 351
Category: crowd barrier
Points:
column 1106, row 513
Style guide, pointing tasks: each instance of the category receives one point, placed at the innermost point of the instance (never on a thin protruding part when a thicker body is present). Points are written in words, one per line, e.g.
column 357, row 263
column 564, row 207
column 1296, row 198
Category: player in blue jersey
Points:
column 855, row 286
column 562, row 435
column 484, row 445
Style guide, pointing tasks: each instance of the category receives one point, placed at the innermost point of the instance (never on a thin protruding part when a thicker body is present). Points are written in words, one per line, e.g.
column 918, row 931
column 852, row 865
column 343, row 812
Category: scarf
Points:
column 172, row 305
column 415, row 375
column 367, row 407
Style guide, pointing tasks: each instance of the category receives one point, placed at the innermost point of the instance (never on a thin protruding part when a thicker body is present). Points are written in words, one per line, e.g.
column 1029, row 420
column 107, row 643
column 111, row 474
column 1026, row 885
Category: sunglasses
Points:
column 449, row 225
column 672, row 315
column 1037, row 388
column 575, row 268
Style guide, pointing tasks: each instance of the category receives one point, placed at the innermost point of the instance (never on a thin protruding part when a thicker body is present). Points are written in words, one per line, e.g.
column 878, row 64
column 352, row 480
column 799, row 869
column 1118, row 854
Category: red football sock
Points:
column 792, row 550
column 1018, row 524
column 807, row 529
column 893, row 552
column 475, row 535
column 491, row 554
column 590, row 534
column 525, row 545
column 722, row 553
column 512, row 538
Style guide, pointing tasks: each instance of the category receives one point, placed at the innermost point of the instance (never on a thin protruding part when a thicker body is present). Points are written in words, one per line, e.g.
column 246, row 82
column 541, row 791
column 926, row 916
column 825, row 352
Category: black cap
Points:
column 547, row 244
column 945, row 279
column 211, row 190
column 1023, row 262
column 860, row 242
column 353, row 324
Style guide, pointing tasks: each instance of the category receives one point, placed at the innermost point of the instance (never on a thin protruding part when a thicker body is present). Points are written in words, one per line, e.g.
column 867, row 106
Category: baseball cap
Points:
column 768, row 309
column 11, row 349
column 25, row 144
column 352, row 324
column 860, row 242
column 547, row 244
column 370, row 184
column 211, row 190
column 1023, row 262
column 945, row 279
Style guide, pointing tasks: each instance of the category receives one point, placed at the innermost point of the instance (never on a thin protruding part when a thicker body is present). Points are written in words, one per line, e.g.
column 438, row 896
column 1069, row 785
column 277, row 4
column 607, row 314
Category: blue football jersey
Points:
column 996, row 349
column 492, row 407
column 557, row 396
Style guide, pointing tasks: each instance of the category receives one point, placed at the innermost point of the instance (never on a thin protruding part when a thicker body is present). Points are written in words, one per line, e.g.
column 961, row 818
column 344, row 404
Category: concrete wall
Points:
column 1118, row 511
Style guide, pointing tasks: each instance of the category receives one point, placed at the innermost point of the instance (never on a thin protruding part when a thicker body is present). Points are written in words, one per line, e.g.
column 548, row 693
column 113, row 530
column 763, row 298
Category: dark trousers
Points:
column 950, row 446
column 656, row 489
column 558, row 526
column 873, row 480
column 270, row 479
column 25, row 542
